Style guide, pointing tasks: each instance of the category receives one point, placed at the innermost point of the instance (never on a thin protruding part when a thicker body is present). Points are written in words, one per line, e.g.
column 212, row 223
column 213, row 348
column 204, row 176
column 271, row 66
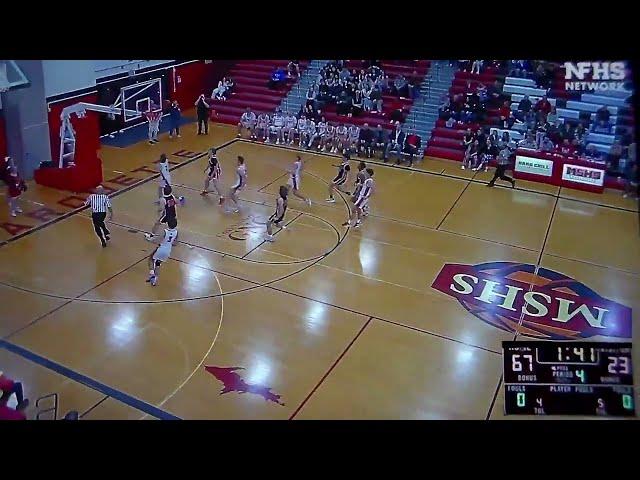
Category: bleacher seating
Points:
column 251, row 78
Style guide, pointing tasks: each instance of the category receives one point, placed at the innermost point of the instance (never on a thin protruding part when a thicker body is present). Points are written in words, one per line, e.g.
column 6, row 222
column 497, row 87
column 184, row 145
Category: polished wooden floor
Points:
column 325, row 323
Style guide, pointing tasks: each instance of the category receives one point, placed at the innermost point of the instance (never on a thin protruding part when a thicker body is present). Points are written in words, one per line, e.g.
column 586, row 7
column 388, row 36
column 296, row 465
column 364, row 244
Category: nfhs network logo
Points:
column 597, row 76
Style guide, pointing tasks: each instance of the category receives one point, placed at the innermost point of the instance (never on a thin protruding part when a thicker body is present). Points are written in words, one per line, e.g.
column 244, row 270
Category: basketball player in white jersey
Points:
column 276, row 126
column 321, row 129
column 165, row 176
column 248, row 122
column 290, row 124
column 213, row 174
column 262, row 126
column 162, row 253
column 328, row 138
column 278, row 216
column 341, row 179
column 342, row 135
column 302, row 129
column 354, row 137
column 295, row 176
column 359, row 182
column 241, row 182
column 362, row 201
column 309, row 132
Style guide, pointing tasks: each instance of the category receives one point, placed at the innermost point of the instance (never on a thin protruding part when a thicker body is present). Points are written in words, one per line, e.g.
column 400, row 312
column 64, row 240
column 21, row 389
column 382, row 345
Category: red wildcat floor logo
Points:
column 233, row 382
column 546, row 304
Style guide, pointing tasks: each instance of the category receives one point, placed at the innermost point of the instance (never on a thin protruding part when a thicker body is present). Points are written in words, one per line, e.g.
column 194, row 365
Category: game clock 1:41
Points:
column 568, row 378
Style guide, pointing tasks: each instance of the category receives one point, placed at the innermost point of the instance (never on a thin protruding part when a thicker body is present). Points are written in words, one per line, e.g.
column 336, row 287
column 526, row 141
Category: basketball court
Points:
column 327, row 322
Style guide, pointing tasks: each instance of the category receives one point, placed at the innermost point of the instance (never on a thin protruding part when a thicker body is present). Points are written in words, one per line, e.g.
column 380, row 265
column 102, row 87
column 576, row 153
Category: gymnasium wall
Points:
column 192, row 79
column 67, row 76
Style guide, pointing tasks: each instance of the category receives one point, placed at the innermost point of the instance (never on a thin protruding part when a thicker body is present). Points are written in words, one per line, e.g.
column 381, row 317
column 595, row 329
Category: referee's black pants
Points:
column 98, row 224
column 500, row 174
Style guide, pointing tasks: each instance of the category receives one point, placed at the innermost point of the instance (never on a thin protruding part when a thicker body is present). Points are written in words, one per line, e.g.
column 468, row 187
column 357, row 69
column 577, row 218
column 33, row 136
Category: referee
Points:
column 99, row 204
column 503, row 163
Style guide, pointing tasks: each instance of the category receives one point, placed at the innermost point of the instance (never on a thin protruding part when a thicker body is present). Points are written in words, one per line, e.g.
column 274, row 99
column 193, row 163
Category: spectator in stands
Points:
column 174, row 119
column 294, row 69
column 344, row 74
column 552, row 116
column 219, row 92
column 482, row 92
column 541, row 132
column 396, row 142
column 381, row 139
column 412, row 145
column 376, row 98
column 365, row 140
column 468, row 141
column 505, row 141
column 311, row 95
column 506, row 115
column 603, row 115
column 527, row 142
column 445, row 107
column 413, row 85
column 547, row 145
column 356, row 103
column 580, row 137
column 476, row 66
column 566, row 149
column 524, row 109
column 494, row 93
column 400, row 86
column 542, row 108
column 451, row 122
column 278, row 78
column 398, row 115
column 613, row 159
column 228, row 85
column 592, row 154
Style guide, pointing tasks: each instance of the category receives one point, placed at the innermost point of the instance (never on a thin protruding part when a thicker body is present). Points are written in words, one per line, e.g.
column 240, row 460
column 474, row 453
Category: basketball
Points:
column 181, row 200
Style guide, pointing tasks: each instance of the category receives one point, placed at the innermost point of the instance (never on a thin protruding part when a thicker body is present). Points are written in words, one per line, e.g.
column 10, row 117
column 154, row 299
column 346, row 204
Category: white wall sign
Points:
column 534, row 166
column 586, row 175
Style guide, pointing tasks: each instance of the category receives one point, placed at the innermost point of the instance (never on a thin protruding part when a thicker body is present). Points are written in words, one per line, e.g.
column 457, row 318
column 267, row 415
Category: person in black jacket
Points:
column 380, row 140
column 365, row 142
column 202, row 110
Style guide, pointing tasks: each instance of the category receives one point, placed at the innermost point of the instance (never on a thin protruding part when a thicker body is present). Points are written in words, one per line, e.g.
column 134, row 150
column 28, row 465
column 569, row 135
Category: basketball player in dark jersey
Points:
column 214, row 172
column 169, row 215
column 278, row 215
column 341, row 178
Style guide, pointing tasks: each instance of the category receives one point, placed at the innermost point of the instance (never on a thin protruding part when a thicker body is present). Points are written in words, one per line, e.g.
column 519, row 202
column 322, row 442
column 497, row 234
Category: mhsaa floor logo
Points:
column 548, row 304
column 597, row 76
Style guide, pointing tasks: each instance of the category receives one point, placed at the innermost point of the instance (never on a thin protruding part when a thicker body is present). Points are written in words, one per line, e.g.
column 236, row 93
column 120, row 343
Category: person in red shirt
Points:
column 16, row 187
column 566, row 149
column 543, row 107
column 505, row 115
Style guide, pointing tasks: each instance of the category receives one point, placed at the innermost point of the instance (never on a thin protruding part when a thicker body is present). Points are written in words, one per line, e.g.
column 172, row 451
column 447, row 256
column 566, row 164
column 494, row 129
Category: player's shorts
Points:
column 340, row 180
column 163, row 183
column 171, row 222
column 361, row 202
column 294, row 182
column 163, row 252
column 275, row 128
column 275, row 219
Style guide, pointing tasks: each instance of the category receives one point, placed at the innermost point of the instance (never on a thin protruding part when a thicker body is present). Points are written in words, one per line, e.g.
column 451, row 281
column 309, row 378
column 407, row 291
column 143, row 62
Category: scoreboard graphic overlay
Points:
column 568, row 378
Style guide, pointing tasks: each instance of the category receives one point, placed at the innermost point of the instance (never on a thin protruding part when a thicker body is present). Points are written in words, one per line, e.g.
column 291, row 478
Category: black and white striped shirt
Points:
column 99, row 202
